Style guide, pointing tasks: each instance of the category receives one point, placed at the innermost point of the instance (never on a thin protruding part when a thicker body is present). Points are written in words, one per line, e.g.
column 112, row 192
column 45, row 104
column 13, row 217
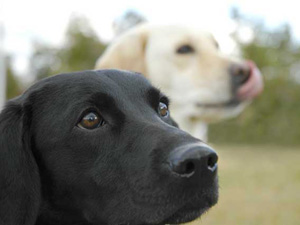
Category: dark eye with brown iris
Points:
column 91, row 121
column 163, row 109
column 185, row 49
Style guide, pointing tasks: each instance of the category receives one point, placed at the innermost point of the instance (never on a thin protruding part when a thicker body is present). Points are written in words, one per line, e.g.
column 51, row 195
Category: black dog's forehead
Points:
column 114, row 83
column 106, row 79
column 107, row 90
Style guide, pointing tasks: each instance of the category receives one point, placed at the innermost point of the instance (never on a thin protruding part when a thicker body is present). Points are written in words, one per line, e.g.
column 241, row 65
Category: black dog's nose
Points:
column 240, row 73
column 190, row 159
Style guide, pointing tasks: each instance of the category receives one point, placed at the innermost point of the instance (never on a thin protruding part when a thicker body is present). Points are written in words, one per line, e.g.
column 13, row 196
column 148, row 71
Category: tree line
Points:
column 273, row 118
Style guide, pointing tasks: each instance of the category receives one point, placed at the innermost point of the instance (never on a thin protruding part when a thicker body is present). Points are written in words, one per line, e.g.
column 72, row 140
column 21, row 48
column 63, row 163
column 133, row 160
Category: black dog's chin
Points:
column 186, row 215
column 190, row 211
column 194, row 209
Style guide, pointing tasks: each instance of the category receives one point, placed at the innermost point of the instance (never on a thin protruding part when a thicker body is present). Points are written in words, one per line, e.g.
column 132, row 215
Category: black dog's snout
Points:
column 190, row 159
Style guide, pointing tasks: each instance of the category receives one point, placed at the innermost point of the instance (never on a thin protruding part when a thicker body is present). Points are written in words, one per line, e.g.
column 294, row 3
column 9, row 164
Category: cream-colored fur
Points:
column 198, row 84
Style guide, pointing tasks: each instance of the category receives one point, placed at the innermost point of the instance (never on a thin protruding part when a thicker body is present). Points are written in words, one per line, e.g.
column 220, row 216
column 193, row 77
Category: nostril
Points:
column 244, row 75
column 241, row 73
column 189, row 167
column 212, row 162
column 185, row 168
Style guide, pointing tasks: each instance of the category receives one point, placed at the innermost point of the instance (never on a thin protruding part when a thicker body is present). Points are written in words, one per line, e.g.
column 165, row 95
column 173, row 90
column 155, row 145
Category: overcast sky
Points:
column 25, row 21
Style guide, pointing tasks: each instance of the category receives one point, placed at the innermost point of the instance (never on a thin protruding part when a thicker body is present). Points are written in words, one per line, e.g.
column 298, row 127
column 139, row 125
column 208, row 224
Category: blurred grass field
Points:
column 259, row 185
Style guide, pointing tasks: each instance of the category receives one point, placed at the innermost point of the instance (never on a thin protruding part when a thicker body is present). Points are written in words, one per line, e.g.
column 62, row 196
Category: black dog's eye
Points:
column 91, row 121
column 163, row 109
column 185, row 49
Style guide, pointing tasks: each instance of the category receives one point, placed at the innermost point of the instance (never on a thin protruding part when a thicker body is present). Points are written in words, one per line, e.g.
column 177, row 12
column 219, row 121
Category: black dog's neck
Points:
column 56, row 209
column 49, row 216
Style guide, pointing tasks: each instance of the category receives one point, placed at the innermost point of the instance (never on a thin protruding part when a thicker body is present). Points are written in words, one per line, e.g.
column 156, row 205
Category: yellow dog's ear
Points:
column 127, row 52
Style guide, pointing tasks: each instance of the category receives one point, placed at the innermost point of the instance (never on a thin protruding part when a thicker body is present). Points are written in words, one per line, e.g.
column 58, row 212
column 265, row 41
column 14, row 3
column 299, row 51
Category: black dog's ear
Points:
column 19, row 176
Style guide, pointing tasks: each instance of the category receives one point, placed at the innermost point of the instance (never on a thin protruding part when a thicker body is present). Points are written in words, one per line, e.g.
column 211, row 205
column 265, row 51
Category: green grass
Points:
column 258, row 186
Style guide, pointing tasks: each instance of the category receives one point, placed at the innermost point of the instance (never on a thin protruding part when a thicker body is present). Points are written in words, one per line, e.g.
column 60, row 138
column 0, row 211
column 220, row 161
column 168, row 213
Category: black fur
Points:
column 53, row 172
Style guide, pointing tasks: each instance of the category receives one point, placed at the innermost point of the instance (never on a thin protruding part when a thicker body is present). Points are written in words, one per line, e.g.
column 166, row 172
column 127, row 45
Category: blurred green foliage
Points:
column 273, row 118
column 12, row 84
column 80, row 51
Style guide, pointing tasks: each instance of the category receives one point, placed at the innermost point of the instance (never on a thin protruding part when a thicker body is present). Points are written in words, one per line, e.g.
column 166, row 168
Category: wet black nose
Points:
column 240, row 73
column 188, row 160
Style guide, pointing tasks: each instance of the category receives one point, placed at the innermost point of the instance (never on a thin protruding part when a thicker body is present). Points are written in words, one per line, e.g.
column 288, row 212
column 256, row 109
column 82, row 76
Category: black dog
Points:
column 100, row 147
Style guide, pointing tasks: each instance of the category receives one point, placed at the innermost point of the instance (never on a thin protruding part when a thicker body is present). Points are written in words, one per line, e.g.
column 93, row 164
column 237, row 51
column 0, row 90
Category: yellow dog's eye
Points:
column 185, row 49
column 163, row 109
column 91, row 121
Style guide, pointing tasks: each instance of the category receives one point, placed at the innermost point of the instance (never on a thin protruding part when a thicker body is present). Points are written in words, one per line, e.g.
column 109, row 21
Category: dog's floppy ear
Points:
column 19, row 176
column 127, row 52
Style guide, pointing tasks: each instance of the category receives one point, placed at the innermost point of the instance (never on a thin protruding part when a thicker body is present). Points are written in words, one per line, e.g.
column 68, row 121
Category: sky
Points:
column 26, row 21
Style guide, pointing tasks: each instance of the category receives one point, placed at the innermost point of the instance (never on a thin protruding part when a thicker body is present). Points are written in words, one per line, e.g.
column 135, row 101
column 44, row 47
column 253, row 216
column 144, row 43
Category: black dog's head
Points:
column 100, row 147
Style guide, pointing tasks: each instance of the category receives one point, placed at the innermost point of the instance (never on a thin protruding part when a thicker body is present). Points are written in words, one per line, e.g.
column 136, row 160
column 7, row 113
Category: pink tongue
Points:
column 254, row 85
